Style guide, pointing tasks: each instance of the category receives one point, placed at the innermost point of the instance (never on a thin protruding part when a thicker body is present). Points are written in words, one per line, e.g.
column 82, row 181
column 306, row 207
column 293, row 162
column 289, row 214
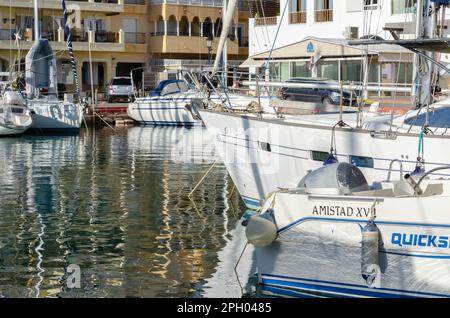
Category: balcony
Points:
column 82, row 40
column 297, row 17
column 203, row 3
column 266, row 21
column 323, row 15
column 84, row 5
column 186, row 45
column 135, row 38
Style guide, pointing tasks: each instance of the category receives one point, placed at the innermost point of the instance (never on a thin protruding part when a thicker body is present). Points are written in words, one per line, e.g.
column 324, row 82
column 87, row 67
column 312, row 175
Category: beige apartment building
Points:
column 116, row 36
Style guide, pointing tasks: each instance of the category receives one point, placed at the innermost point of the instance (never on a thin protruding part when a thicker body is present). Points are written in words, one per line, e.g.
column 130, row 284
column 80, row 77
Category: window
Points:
column 319, row 155
column 25, row 22
column 403, row 6
column 370, row 4
column 265, row 146
column 279, row 71
column 323, row 10
column 297, row 11
column 183, row 86
column 94, row 24
column 170, row 89
column 329, row 70
column 121, row 81
column 300, row 69
column 359, row 161
column 351, row 70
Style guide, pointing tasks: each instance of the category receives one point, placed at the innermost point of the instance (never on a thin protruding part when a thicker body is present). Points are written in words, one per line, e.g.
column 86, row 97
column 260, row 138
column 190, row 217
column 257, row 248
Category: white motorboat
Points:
column 15, row 118
column 169, row 104
column 333, row 235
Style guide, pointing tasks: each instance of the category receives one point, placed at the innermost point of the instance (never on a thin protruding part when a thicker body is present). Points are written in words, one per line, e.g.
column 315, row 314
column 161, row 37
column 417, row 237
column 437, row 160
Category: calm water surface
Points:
column 115, row 204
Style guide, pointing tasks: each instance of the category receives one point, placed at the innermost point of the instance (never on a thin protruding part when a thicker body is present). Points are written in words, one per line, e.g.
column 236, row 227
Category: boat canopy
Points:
column 167, row 87
column 437, row 118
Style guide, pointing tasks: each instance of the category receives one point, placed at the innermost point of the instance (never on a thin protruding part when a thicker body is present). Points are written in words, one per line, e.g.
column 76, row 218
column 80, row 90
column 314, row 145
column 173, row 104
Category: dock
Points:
column 114, row 114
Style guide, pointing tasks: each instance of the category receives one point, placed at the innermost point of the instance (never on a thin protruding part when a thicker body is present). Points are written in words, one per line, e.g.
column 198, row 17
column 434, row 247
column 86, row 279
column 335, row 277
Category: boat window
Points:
column 170, row 88
column 319, row 155
column 16, row 110
column 1, row 110
column 183, row 86
column 360, row 161
column 265, row 146
column 439, row 118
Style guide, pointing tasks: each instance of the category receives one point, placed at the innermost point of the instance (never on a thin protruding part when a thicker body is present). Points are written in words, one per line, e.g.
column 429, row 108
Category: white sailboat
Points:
column 49, row 113
column 335, row 236
column 264, row 152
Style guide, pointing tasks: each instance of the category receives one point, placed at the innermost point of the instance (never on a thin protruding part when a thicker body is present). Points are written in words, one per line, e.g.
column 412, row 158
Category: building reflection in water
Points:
column 114, row 203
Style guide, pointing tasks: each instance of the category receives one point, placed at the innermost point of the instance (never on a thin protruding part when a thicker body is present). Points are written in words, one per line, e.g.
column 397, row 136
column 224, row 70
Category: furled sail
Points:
column 70, row 47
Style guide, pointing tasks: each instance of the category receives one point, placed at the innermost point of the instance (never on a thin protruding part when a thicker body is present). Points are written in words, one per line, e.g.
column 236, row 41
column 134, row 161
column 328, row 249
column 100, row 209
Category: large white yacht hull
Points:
column 55, row 115
column 318, row 248
column 242, row 142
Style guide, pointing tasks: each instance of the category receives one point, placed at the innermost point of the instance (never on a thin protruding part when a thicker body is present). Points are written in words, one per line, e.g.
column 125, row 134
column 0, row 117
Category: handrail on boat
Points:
column 390, row 169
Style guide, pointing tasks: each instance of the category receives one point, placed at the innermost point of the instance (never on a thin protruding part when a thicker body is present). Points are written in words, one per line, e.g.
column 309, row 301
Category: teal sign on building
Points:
column 310, row 48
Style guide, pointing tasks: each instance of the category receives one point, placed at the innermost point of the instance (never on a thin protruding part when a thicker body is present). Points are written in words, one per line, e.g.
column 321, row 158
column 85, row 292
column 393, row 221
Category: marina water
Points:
column 113, row 207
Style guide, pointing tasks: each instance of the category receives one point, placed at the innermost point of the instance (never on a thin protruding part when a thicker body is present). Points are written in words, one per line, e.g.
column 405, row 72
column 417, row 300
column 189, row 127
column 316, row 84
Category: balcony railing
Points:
column 134, row 38
column 142, row 2
column 106, row 37
column 297, row 17
column 107, row 1
column 266, row 21
column 205, row 3
column 7, row 34
column 324, row 15
column 78, row 35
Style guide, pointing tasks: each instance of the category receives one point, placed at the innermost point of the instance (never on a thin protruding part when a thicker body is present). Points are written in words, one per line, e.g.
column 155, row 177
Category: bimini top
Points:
column 170, row 86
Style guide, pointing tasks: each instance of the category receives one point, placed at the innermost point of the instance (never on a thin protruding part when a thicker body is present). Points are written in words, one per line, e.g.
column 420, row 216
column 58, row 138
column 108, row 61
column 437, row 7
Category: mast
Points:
column 226, row 24
column 422, row 68
column 225, row 47
column 36, row 21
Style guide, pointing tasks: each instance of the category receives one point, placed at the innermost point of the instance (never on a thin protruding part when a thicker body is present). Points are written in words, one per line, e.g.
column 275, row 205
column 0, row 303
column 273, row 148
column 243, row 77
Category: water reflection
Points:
column 115, row 203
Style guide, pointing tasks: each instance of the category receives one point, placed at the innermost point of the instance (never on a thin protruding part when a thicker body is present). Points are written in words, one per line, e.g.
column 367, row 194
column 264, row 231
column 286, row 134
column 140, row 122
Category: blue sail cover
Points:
column 70, row 47
column 443, row 2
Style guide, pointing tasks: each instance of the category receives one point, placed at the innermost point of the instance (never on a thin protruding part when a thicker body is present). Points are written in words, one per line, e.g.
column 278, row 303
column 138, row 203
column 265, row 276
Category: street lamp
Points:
column 209, row 41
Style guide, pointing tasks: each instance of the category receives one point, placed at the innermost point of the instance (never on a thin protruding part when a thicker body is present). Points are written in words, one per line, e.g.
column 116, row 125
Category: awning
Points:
column 251, row 63
column 433, row 45
column 387, row 57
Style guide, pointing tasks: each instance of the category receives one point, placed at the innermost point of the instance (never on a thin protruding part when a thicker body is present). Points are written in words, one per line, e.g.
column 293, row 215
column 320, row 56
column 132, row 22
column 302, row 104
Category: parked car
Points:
column 119, row 87
column 326, row 96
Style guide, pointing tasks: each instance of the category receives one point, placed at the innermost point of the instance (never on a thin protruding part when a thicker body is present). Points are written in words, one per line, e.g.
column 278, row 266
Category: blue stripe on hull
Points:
column 339, row 289
column 251, row 203
column 170, row 123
